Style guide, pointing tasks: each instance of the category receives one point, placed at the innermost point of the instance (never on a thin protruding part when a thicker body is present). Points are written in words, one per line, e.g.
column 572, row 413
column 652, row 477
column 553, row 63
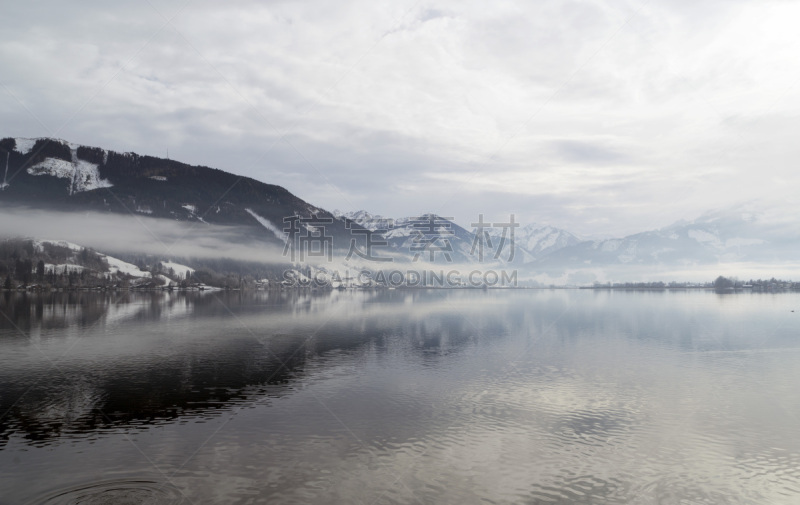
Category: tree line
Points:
column 26, row 263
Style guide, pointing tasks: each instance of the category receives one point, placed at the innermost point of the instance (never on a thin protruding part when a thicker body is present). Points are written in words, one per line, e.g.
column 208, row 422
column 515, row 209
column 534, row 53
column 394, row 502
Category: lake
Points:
column 400, row 396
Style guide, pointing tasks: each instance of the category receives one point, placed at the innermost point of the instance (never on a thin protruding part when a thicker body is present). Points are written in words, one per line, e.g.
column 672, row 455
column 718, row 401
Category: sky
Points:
column 600, row 117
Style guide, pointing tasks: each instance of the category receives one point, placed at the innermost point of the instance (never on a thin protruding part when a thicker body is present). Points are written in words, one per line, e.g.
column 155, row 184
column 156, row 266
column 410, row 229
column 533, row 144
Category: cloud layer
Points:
column 600, row 117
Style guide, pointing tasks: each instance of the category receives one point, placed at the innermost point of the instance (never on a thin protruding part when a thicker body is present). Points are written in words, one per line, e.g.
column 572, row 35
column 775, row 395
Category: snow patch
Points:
column 158, row 178
column 83, row 176
column 191, row 208
column 180, row 270
column 399, row 232
column 64, row 268
column 267, row 224
column 118, row 266
column 369, row 221
column 52, row 166
column 24, row 146
column 87, row 177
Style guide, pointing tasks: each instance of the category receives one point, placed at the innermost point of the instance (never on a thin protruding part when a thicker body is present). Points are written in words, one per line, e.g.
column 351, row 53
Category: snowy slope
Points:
column 266, row 223
column 82, row 175
column 118, row 266
column 367, row 220
column 115, row 265
column 180, row 270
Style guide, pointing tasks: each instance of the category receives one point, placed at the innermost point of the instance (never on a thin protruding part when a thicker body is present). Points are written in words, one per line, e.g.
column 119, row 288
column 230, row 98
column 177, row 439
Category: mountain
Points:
column 749, row 233
column 58, row 175
column 538, row 241
column 62, row 264
column 55, row 174
column 530, row 241
column 755, row 232
column 426, row 237
column 365, row 219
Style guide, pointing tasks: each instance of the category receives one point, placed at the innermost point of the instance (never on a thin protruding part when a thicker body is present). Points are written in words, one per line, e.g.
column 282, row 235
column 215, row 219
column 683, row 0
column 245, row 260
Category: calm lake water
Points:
column 529, row 396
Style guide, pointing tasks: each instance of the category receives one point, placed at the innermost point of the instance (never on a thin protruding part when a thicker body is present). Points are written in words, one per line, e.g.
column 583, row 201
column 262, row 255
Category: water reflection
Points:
column 399, row 396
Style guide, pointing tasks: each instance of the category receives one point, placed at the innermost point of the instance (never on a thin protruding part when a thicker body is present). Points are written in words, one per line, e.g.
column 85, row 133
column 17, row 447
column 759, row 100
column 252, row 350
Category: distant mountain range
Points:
column 55, row 174
column 530, row 242
column 743, row 234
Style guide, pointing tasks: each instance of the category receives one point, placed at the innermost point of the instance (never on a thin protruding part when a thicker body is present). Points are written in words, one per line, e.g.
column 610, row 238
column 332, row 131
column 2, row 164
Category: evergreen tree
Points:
column 723, row 283
column 40, row 271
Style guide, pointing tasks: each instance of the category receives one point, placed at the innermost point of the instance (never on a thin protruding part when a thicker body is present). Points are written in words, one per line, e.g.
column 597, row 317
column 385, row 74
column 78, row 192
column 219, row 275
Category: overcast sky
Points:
column 602, row 117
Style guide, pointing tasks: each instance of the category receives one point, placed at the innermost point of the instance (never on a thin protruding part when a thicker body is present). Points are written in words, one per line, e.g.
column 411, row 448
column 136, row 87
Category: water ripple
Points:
column 114, row 492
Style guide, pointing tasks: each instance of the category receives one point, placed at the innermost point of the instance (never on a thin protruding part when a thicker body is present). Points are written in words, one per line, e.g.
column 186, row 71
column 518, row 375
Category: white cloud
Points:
column 114, row 233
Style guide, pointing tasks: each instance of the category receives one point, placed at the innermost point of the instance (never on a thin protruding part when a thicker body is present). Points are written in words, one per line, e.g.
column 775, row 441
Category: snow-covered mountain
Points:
column 426, row 237
column 530, row 241
column 543, row 240
column 538, row 240
column 756, row 233
column 745, row 233
column 366, row 220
